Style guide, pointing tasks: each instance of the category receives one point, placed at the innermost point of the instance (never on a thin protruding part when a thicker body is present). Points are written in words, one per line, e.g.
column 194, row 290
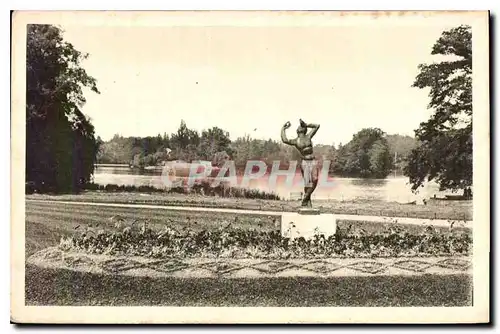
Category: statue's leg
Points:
column 314, row 177
column 307, row 198
column 309, row 191
column 304, row 170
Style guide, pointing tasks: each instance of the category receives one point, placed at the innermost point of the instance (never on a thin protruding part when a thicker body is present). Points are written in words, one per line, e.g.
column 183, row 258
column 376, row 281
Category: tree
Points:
column 184, row 137
column 212, row 141
column 444, row 151
column 400, row 148
column 366, row 155
column 185, row 143
column 61, row 147
column 380, row 159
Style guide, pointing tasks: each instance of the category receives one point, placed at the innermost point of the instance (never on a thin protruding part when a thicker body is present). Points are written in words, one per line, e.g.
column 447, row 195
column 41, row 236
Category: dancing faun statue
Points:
column 308, row 164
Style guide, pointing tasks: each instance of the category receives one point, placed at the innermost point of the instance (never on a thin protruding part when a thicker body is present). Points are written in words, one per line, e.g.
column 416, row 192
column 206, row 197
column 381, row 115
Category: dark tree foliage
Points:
column 213, row 141
column 146, row 151
column 367, row 155
column 185, row 143
column 400, row 148
column 444, row 150
column 61, row 146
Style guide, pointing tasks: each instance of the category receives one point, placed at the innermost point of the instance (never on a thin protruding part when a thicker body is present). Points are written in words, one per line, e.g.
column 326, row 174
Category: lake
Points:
column 347, row 189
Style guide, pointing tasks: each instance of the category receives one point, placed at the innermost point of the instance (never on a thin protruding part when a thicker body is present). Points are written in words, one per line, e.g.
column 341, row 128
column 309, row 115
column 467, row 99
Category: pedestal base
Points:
column 308, row 211
column 294, row 225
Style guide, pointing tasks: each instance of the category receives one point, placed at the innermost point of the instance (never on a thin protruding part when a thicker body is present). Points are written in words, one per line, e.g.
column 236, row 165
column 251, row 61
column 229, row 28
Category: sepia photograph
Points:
column 313, row 167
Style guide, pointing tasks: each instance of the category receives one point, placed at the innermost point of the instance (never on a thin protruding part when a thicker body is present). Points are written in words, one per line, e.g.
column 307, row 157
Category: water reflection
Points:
column 347, row 189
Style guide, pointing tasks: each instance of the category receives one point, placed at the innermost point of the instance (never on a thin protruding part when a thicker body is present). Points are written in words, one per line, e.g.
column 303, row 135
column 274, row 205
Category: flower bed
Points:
column 243, row 243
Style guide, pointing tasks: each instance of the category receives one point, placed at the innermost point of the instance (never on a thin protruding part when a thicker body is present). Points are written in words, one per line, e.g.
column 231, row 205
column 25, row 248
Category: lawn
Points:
column 456, row 210
column 65, row 287
column 47, row 222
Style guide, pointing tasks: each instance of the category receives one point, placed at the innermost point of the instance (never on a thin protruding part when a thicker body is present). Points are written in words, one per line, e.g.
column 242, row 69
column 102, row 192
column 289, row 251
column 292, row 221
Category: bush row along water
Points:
column 203, row 188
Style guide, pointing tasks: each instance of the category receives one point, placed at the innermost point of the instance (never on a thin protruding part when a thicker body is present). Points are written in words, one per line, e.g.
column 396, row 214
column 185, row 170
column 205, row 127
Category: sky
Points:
column 251, row 80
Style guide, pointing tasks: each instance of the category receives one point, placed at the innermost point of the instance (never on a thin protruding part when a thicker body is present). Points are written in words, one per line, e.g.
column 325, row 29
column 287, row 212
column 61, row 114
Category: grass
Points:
column 456, row 210
column 65, row 287
column 47, row 222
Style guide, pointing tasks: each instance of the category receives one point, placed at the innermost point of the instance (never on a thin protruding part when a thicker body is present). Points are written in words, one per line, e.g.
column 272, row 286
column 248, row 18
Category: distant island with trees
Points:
column 370, row 154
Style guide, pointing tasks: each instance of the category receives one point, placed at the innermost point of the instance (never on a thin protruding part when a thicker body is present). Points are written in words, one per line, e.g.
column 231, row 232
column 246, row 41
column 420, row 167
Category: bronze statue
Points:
column 308, row 164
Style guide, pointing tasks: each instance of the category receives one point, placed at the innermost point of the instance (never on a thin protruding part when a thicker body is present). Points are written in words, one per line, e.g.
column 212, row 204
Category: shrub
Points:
column 201, row 188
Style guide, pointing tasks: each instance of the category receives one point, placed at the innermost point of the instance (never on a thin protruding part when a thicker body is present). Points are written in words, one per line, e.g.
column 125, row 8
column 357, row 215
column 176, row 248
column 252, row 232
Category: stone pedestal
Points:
column 307, row 223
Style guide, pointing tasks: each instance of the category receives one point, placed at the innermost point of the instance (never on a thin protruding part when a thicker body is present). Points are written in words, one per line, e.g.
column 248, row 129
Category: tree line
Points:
column 369, row 154
column 62, row 147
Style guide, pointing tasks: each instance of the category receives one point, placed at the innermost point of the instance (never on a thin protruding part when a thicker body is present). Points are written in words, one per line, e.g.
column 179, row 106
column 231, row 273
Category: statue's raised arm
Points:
column 284, row 138
column 314, row 127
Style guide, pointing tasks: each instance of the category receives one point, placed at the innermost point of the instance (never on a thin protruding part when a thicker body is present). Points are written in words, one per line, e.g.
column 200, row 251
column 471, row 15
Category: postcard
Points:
column 250, row 167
